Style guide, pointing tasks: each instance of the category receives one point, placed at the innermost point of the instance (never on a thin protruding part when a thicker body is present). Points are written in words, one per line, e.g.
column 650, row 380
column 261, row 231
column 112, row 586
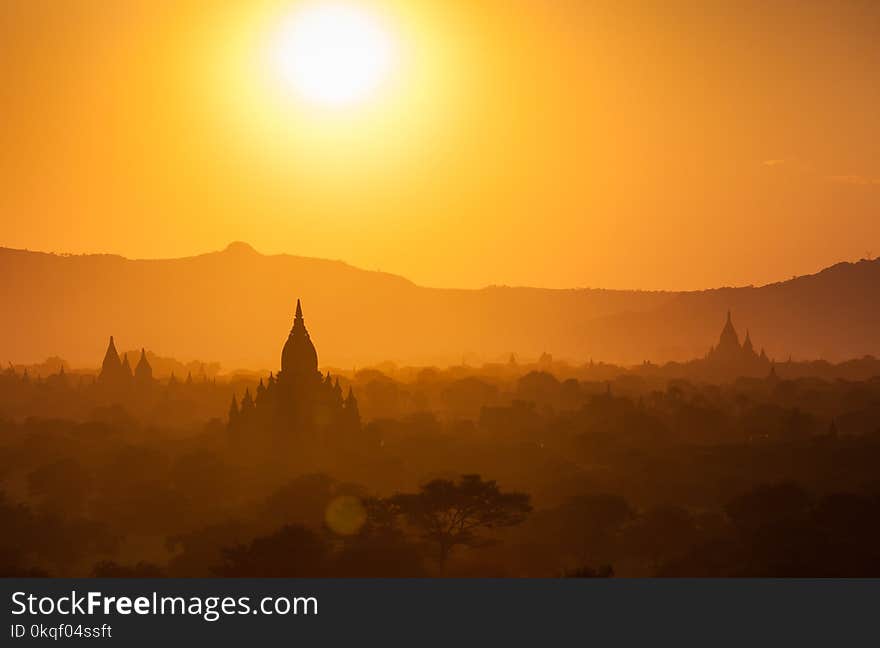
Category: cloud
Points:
column 854, row 180
column 797, row 167
column 794, row 164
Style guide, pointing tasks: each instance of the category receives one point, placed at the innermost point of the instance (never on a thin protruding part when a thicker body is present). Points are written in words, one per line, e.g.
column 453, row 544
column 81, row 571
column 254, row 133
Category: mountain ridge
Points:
column 244, row 248
column 235, row 305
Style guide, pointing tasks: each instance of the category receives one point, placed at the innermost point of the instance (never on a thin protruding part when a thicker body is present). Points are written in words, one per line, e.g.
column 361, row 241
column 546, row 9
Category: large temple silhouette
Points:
column 298, row 400
column 731, row 358
column 116, row 375
column 297, row 403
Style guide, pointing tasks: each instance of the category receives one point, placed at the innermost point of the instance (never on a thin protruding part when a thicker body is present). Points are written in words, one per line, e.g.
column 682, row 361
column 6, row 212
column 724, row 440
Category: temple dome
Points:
column 299, row 357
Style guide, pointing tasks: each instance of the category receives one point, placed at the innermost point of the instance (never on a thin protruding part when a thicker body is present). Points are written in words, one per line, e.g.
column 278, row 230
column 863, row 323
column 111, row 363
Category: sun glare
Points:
column 332, row 54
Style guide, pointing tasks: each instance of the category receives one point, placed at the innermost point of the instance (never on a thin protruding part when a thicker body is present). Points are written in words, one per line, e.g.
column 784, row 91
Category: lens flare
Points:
column 345, row 515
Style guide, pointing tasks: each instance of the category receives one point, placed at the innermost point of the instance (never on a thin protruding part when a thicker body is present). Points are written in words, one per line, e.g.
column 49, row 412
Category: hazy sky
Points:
column 553, row 143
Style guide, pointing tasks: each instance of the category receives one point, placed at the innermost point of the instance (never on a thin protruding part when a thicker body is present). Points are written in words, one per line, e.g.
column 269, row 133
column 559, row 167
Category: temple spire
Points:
column 299, row 310
column 729, row 338
column 143, row 372
column 126, row 367
column 111, row 367
column 747, row 344
column 111, row 356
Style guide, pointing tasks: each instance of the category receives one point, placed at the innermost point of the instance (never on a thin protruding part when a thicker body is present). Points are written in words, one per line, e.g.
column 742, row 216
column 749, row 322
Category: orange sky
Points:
column 564, row 143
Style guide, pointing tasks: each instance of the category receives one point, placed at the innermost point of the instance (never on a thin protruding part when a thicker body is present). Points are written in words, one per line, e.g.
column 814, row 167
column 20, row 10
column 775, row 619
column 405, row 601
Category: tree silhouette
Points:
column 380, row 548
column 592, row 524
column 660, row 533
column 449, row 514
column 768, row 504
column 292, row 550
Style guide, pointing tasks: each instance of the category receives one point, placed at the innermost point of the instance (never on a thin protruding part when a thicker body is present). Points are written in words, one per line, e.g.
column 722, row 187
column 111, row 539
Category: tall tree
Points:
column 449, row 514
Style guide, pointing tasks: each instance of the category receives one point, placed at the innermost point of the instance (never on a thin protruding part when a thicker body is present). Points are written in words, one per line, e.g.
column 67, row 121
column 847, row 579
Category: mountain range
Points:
column 236, row 306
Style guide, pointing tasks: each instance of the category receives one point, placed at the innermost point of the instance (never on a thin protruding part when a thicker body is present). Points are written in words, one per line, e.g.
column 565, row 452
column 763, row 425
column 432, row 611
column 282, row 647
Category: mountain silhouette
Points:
column 235, row 305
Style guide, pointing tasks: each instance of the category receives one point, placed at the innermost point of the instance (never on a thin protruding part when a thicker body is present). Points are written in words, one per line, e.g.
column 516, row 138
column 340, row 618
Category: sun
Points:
column 332, row 54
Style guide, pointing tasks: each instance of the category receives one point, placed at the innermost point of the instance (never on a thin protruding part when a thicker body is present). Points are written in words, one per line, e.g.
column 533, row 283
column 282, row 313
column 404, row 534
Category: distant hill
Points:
column 236, row 307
